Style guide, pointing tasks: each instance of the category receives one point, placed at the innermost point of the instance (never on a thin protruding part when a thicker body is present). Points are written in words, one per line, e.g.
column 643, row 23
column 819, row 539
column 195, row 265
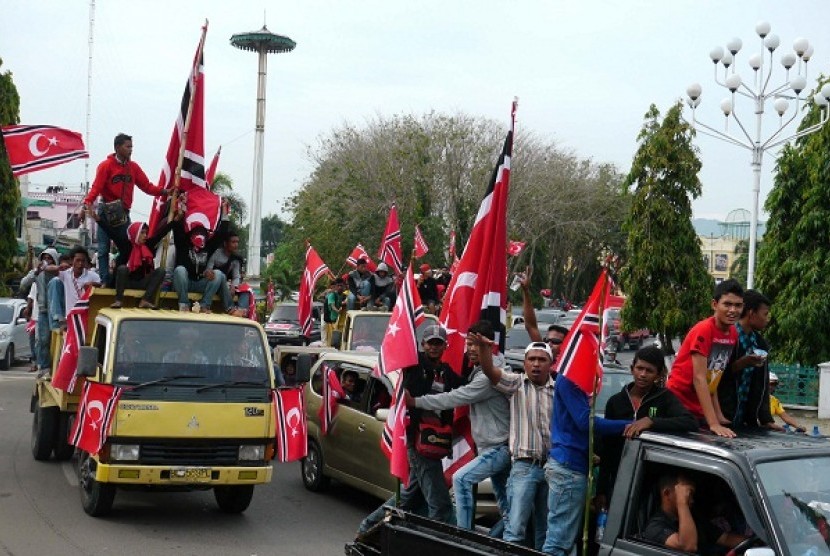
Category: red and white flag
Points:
column 514, row 248
column 390, row 248
column 393, row 438
column 359, row 252
column 451, row 254
column 64, row 376
column 314, row 269
column 211, row 171
column 332, row 394
column 463, row 445
column 37, row 147
column 270, row 297
column 478, row 289
column 399, row 348
column 292, row 429
column 250, row 310
column 421, row 247
column 202, row 208
column 193, row 163
column 94, row 417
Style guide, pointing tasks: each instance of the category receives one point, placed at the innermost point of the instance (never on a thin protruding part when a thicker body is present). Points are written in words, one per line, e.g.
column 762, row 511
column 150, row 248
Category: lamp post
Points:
column 759, row 91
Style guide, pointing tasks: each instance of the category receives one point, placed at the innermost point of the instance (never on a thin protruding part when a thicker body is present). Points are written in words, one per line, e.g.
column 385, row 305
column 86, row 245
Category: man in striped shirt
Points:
column 531, row 405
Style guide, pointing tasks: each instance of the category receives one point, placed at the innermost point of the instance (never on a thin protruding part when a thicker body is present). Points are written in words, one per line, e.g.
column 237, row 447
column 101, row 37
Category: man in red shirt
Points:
column 704, row 356
column 114, row 180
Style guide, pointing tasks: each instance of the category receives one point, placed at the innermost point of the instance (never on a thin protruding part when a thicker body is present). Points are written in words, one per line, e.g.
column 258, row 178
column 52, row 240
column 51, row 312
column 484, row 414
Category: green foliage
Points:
column 794, row 258
column 740, row 262
column 663, row 274
column 285, row 270
column 9, row 190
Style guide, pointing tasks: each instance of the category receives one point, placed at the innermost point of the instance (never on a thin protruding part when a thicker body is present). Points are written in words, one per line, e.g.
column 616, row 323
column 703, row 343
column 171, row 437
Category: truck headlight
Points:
column 253, row 452
column 124, row 452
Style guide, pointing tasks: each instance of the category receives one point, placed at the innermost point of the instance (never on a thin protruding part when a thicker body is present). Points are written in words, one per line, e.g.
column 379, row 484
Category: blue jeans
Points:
column 527, row 493
column 57, row 303
column 183, row 284
column 44, row 340
column 566, row 501
column 364, row 288
column 103, row 246
column 493, row 463
column 243, row 298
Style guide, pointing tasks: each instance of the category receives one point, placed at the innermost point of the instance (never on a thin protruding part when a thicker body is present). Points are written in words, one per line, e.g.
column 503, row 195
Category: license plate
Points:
column 283, row 327
column 190, row 474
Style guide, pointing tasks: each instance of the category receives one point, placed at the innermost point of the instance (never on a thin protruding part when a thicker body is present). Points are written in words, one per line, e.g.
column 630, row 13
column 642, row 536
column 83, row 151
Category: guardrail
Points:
column 798, row 387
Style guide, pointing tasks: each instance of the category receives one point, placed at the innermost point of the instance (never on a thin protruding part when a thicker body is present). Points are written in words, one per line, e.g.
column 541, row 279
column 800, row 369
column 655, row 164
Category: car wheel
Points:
column 8, row 360
column 96, row 498
column 233, row 499
column 44, row 428
column 312, row 469
column 63, row 449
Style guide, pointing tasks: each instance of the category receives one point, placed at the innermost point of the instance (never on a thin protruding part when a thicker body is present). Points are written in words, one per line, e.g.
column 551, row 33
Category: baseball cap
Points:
column 435, row 332
column 540, row 346
column 425, row 267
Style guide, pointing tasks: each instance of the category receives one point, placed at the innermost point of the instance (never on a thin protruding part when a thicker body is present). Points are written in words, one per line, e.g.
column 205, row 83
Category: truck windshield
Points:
column 285, row 313
column 798, row 491
column 148, row 350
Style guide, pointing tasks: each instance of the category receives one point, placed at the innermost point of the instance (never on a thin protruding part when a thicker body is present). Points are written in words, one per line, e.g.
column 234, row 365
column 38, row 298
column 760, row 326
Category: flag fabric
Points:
column 393, row 438
column 37, row 147
column 270, row 297
column 453, row 257
column 463, row 445
column 332, row 393
column 390, row 248
column 421, row 247
column 399, row 348
column 514, row 248
column 478, row 289
column 250, row 310
column 359, row 252
column 291, row 426
column 193, row 163
column 202, row 208
column 211, row 171
column 64, row 375
column 94, row 417
column 314, row 268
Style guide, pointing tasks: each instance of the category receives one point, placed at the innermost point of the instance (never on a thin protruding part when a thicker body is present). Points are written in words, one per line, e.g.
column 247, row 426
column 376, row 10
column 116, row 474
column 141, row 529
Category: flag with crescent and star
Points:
column 314, row 269
column 64, row 376
column 94, row 416
column 478, row 289
column 421, row 247
column 390, row 248
column 292, row 429
column 193, row 162
column 393, row 437
column 31, row 148
column 359, row 252
column 333, row 393
column 514, row 248
column 399, row 348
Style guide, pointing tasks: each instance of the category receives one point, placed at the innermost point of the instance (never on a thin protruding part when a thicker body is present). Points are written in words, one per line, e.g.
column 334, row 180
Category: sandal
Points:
column 146, row 305
column 116, row 305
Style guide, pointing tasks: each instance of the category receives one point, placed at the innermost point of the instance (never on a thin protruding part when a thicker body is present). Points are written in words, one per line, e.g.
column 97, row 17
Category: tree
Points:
column 740, row 261
column 663, row 273
column 9, row 190
column 273, row 230
column 223, row 186
column 794, row 258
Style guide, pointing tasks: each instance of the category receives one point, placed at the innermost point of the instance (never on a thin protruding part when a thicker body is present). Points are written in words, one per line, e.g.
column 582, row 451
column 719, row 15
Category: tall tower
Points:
column 263, row 42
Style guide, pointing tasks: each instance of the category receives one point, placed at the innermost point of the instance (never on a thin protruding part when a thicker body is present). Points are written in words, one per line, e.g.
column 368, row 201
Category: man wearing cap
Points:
column 360, row 286
column 531, row 405
column 426, row 476
column 428, row 289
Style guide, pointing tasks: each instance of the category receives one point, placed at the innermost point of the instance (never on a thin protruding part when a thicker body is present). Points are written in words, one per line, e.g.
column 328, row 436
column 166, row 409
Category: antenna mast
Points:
column 85, row 185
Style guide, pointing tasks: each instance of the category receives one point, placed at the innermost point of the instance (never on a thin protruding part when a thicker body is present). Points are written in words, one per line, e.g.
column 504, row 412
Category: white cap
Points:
column 542, row 346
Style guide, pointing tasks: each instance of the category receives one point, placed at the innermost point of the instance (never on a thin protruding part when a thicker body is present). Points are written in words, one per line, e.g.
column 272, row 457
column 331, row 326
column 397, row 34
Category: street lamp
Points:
column 759, row 91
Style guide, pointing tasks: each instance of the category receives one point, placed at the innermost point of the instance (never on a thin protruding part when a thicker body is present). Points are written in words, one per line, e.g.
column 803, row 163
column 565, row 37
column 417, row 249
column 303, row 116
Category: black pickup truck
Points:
column 773, row 488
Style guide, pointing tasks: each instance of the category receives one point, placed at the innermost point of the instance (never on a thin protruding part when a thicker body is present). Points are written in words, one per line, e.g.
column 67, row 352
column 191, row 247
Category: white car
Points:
column 14, row 341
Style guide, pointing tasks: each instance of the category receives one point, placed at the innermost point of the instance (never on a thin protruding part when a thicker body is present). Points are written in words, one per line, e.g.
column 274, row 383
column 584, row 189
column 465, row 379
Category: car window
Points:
column 284, row 313
column 517, row 338
column 6, row 314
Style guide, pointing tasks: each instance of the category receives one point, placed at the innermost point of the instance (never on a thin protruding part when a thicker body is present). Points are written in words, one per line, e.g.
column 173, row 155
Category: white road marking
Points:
column 70, row 473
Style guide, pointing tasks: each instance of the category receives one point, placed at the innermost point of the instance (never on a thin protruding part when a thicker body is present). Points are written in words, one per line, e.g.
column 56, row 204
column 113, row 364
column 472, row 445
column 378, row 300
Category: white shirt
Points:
column 74, row 287
column 33, row 296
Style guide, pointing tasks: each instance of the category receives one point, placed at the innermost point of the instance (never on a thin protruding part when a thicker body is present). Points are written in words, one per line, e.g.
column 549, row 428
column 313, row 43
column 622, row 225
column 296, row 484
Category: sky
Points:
column 585, row 73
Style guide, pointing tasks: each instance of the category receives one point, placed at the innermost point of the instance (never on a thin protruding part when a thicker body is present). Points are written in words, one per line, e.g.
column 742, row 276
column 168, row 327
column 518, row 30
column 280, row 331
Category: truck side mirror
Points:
column 303, row 368
column 21, row 320
column 382, row 415
column 87, row 361
column 336, row 339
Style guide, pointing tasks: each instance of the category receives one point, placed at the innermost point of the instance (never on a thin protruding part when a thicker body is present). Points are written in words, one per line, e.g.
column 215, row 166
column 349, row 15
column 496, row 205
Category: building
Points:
column 723, row 243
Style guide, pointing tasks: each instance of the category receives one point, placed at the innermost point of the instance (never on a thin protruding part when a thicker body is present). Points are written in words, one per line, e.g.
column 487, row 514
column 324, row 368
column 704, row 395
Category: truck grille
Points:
column 183, row 453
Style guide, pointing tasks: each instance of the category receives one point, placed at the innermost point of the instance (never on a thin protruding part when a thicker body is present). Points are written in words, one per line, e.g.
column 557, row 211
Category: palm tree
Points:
column 223, row 186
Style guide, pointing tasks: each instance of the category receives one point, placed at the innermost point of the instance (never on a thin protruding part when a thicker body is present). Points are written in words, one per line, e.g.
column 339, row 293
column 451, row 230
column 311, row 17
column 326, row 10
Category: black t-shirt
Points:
column 662, row 526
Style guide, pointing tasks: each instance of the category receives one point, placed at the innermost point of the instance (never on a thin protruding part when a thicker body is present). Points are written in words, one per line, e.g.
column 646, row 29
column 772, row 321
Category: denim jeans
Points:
column 493, row 463
column 566, row 500
column 364, row 288
column 103, row 245
column 57, row 303
column 183, row 284
column 44, row 340
column 243, row 299
column 527, row 493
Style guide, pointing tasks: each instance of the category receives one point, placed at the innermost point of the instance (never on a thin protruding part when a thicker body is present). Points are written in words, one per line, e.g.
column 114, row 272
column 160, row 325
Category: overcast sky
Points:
column 585, row 73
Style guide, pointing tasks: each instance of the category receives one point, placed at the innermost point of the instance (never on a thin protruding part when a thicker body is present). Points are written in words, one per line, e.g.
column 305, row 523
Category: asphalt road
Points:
column 40, row 509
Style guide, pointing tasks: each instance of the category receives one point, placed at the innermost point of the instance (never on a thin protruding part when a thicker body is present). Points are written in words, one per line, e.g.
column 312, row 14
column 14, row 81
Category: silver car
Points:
column 14, row 340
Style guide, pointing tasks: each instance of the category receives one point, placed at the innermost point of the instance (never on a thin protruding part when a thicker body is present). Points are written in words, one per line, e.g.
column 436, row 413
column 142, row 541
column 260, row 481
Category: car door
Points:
column 19, row 334
column 371, row 465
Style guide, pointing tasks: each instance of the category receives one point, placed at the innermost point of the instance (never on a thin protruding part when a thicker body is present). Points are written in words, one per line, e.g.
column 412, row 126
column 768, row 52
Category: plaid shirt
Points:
column 531, row 407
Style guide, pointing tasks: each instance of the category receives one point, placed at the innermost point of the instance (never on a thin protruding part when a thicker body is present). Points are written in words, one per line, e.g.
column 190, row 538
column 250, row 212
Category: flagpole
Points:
column 592, row 413
column 185, row 129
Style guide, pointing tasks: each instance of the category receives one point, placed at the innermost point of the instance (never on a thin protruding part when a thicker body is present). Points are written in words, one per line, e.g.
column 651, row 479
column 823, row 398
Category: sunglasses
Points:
column 554, row 341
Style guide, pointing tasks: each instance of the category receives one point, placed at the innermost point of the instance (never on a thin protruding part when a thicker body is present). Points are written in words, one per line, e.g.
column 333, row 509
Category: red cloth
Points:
column 332, row 394
column 64, row 376
column 292, row 429
column 400, row 343
column 112, row 176
column 314, row 269
column 706, row 339
column 390, row 247
column 94, row 416
column 421, row 247
column 36, row 147
column 359, row 252
column 393, row 439
column 140, row 255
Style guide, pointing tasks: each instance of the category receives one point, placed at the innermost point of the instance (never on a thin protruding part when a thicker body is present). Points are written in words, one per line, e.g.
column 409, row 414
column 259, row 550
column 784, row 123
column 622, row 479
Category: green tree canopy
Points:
column 9, row 191
column 663, row 273
column 794, row 258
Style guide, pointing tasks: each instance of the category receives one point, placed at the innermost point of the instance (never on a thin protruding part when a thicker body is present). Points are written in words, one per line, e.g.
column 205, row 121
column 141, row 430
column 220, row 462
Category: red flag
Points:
column 454, row 260
column 393, row 439
column 292, row 429
column 332, row 393
column 64, row 376
column 271, row 296
column 193, row 163
column 478, row 289
column 94, row 417
column 211, row 172
column 37, row 147
column 314, row 268
column 202, row 208
column 400, row 343
column 359, row 252
column 390, row 247
column 463, row 446
column 515, row 247
column 251, row 308
column 421, row 247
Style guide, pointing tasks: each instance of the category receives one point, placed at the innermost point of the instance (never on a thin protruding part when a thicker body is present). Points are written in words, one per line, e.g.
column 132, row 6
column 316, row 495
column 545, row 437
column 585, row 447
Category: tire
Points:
column 63, row 449
column 312, row 469
column 8, row 359
column 96, row 498
column 233, row 499
column 44, row 429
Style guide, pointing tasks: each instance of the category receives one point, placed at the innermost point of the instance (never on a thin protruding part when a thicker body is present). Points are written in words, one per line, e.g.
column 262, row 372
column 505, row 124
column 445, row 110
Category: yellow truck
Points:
column 195, row 411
